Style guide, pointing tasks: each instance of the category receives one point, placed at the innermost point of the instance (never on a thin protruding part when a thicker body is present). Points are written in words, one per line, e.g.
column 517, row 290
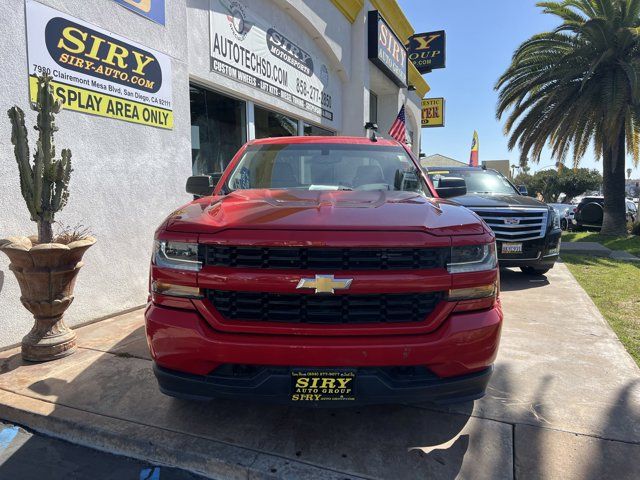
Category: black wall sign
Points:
column 427, row 50
column 82, row 49
column 386, row 50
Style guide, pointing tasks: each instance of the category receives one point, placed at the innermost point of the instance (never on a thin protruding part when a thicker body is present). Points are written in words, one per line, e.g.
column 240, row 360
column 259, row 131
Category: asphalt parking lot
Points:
column 26, row 456
column 564, row 402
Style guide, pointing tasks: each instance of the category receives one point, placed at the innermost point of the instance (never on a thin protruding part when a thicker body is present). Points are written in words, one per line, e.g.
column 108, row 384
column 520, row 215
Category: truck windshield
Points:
column 478, row 181
column 326, row 167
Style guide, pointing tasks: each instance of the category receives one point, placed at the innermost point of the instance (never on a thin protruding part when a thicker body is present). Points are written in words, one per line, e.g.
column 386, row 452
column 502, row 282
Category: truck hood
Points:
column 324, row 210
column 480, row 200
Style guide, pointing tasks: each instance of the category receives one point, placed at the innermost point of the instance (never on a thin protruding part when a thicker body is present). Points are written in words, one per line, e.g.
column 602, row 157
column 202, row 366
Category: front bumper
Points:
column 458, row 356
column 541, row 253
column 374, row 386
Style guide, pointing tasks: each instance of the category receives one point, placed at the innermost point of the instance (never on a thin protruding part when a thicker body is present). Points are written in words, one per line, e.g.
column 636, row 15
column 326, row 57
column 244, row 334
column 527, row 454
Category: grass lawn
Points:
column 629, row 244
column 615, row 289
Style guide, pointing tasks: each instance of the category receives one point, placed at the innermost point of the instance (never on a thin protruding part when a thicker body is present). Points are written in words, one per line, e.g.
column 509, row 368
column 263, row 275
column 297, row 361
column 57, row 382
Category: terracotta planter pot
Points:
column 46, row 274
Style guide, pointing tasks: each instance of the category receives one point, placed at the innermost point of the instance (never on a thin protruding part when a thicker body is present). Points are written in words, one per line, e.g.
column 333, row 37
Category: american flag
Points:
column 399, row 128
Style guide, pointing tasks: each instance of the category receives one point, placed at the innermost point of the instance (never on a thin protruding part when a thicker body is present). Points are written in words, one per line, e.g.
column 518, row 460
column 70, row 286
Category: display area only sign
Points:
column 432, row 112
column 97, row 72
column 250, row 47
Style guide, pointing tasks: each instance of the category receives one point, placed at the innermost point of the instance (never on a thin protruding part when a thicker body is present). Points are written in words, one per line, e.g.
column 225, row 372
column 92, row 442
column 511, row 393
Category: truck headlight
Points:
column 554, row 219
column 177, row 255
column 473, row 258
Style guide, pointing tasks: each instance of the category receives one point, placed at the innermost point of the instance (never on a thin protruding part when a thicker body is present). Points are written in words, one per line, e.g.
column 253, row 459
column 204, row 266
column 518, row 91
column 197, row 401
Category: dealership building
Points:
column 158, row 90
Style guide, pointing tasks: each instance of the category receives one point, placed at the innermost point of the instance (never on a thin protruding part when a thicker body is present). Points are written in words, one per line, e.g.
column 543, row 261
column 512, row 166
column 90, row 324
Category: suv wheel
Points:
column 534, row 271
column 564, row 224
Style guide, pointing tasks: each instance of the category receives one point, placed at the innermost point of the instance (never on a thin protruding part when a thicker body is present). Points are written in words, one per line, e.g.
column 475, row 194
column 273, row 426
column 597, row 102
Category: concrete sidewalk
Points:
column 596, row 249
column 564, row 403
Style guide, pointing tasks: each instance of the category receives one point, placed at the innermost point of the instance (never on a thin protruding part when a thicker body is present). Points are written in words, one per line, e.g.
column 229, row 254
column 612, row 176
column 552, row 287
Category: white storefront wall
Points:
column 127, row 176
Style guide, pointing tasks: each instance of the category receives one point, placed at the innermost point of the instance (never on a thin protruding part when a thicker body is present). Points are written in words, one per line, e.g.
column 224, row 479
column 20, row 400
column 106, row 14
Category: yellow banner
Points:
column 88, row 101
column 432, row 112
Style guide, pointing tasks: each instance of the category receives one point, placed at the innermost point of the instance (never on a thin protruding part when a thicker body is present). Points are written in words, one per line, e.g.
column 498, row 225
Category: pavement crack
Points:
column 250, row 466
column 528, row 424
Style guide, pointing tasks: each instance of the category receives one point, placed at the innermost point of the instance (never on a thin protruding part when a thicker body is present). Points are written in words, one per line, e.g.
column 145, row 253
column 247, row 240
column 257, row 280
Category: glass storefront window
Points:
column 218, row 129
column 272, row 124
column 313, row 130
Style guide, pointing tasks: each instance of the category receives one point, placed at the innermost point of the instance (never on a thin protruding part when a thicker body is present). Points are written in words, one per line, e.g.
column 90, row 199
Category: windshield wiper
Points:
column 329, row 187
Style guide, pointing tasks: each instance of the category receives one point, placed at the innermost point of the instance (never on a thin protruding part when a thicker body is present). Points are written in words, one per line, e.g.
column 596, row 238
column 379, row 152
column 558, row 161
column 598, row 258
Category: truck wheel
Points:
column 534, row 271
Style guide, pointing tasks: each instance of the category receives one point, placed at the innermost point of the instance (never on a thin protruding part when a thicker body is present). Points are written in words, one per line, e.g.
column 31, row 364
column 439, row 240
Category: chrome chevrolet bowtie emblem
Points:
column 325, row 283
column 512, row 221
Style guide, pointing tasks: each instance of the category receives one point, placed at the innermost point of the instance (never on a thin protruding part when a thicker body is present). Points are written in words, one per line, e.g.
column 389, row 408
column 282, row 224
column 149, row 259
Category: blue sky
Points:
column 481, row 37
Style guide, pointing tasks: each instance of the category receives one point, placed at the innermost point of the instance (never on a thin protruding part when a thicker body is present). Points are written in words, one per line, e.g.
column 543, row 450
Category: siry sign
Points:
column 432, row 112
column 97, row 72
column 256, row 46
column 283, row 48
column 427, row 51
column 386, row 50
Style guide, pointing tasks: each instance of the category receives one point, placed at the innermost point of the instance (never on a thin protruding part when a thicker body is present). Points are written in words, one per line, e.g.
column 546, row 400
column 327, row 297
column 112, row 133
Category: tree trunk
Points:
column 45, row 232
column 613, row 174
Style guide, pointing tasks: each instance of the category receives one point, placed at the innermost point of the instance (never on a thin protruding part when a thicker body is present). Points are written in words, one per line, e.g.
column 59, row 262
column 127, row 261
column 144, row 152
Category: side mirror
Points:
column 523, row 190
column 202, row 185
column 451, row 187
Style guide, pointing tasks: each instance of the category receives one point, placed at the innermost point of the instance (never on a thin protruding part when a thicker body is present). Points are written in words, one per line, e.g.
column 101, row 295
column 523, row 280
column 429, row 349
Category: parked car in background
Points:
column 527, row 230
column 632, row 210
column 323, row 271
column 590, row 212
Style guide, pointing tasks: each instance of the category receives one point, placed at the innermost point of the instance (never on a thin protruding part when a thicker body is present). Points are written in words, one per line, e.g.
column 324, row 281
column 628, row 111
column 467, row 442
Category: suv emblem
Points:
column 512, row 221
column 325, row 283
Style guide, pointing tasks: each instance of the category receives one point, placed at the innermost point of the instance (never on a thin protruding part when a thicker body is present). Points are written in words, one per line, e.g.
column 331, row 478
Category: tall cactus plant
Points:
column 45, row 183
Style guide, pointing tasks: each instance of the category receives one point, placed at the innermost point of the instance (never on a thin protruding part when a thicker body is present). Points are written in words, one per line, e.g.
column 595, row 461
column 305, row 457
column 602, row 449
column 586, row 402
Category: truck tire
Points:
column 534, row 271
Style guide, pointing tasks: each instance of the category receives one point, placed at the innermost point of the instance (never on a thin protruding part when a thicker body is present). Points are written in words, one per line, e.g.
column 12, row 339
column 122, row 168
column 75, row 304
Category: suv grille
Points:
column 515, row 224
column 305, row 258
column 328, row 309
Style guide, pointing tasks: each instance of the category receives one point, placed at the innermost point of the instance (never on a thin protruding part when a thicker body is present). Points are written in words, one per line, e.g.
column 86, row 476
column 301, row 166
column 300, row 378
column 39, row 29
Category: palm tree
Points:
column 576, row 85
column 629, row 171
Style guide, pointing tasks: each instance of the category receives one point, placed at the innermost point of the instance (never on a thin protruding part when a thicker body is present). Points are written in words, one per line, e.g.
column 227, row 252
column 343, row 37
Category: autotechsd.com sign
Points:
column 254, row 43
column 97, row 72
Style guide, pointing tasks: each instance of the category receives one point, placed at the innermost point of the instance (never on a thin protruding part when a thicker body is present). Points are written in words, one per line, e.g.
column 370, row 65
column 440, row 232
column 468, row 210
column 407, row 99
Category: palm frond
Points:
column 577, row 85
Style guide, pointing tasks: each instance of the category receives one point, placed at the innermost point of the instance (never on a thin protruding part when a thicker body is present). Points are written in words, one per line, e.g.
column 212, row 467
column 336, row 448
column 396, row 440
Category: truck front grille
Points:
column 312, row 258
column 325, row 309
column 515, row 224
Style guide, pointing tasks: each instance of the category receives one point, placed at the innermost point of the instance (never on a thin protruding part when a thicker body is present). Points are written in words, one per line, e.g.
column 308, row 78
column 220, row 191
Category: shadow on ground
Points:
column 379, row 441
column 507, row 432
column 587, row 260
column 513, row 280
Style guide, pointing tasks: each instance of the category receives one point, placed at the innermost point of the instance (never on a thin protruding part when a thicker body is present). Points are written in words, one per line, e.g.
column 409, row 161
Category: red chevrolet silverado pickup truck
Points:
column 323, row 271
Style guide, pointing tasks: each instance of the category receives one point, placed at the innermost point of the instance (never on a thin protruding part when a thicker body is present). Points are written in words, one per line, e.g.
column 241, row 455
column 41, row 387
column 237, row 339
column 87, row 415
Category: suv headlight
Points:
column 177, row 255
column 554, row 219
column 473, row 258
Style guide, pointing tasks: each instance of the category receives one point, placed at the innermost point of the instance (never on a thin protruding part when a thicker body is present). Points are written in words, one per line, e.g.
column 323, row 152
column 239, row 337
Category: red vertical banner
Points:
column 475, row 149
